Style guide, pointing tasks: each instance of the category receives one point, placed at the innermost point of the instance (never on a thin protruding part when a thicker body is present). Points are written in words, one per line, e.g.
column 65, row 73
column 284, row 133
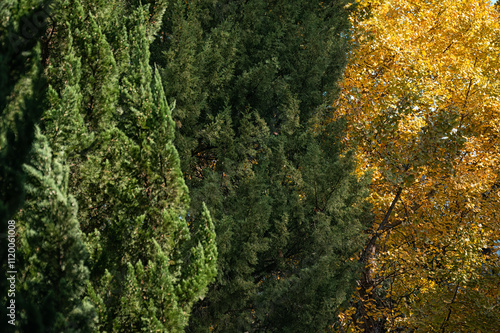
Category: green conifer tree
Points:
column 253, row 82
column 21, row 96
column 110, row 115
column 52, row 250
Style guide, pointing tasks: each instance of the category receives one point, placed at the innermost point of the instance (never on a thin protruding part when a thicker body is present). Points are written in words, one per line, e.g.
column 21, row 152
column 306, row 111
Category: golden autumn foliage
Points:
column 421, row 97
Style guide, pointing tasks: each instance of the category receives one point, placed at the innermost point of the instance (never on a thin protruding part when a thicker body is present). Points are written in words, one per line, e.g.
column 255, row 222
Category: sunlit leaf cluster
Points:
column 421, row 99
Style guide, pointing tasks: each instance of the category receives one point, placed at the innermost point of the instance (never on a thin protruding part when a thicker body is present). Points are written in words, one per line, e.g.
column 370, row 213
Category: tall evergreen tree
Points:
column 110, row 116
column 54, row 275
column 253, row 83
column 21, row 96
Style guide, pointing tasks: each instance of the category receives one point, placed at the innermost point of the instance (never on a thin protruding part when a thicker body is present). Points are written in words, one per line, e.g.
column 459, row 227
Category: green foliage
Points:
column 52, row 251
column 21, row 95
column 251, row 81
column 289, row 226
column 110, row 115
column 248, row 84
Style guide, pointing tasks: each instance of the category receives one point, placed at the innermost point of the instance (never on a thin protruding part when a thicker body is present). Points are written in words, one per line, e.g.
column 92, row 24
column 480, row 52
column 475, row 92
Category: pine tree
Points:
column 253, row 82
column 52, row 250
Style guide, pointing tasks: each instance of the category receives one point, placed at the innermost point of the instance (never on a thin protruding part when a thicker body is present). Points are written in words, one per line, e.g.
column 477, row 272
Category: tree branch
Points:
column 381, row 227
column 443, row 326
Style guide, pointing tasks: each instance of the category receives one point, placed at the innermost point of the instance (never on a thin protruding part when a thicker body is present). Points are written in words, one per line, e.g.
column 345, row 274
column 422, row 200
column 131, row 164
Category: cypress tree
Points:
column 21, row 96
column 254, row 82
column 52, row 250
column 109, row 114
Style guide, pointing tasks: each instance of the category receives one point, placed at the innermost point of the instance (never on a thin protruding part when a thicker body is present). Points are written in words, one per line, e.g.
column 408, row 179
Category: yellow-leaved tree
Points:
column 421, row 98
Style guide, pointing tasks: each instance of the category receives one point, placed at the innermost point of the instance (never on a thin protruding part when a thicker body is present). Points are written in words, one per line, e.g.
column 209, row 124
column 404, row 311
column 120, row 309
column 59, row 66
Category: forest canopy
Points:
column 249, row 166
